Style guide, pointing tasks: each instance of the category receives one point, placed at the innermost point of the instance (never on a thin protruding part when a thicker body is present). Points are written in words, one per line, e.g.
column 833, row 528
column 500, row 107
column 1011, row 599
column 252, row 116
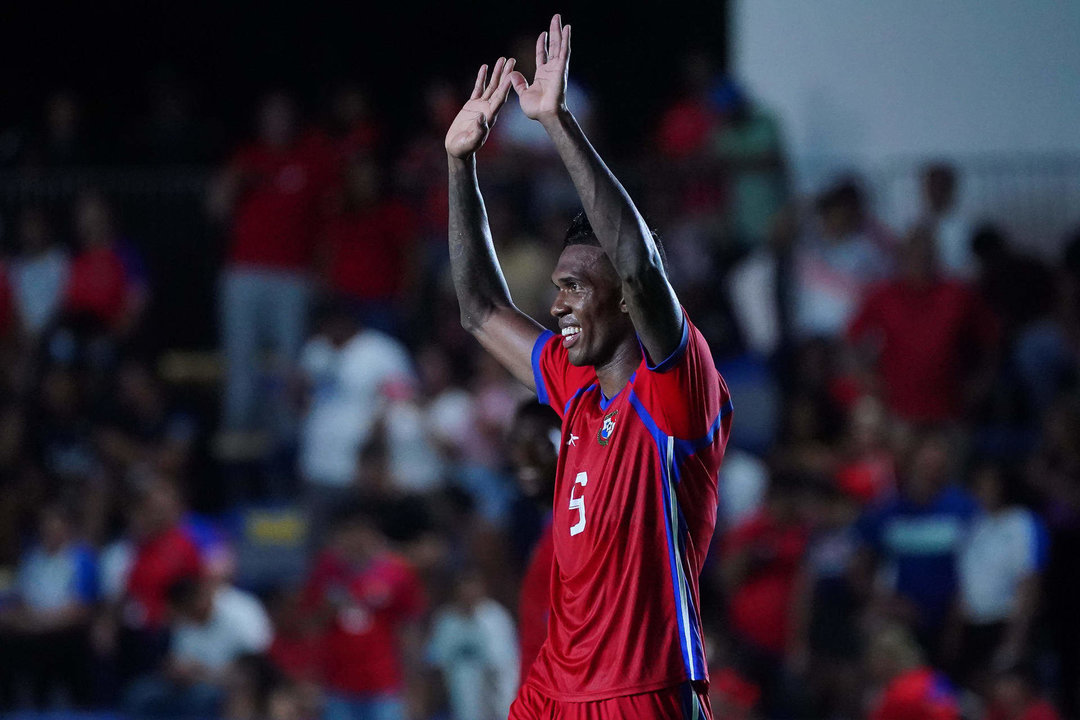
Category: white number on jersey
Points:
column 578, row 503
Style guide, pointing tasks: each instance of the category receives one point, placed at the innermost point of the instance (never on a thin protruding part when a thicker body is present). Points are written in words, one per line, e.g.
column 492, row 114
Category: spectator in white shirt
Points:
column 999, row 567
column 39, row 274
column 474, row 644
column 213, row 627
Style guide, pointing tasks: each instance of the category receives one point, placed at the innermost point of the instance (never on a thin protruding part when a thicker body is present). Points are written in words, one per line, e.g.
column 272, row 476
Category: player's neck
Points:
column 617, row 371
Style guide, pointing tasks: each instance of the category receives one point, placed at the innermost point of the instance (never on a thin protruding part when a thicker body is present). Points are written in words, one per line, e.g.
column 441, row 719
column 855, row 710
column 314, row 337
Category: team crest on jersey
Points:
column 603, row 435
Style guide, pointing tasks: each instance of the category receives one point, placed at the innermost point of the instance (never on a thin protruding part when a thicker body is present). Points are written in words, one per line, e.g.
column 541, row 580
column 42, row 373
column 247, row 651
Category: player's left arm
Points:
column 622, row 232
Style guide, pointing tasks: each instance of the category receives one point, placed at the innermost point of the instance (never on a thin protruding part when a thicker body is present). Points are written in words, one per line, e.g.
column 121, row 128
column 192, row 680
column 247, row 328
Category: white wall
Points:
column 883, row 84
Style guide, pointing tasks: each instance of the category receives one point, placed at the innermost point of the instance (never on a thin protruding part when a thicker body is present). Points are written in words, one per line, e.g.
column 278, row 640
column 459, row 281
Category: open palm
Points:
column 470, row 128
column 547, row 93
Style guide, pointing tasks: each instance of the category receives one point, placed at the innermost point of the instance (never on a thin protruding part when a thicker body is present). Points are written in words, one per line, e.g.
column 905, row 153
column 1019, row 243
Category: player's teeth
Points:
column 568, row 331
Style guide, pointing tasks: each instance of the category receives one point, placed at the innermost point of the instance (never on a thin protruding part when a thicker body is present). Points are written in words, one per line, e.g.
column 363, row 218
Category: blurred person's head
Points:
column 441, row 103
column 62, row 117
column 1013, row 690
column 55, row 527
column 276, row 119
column 868, row 424
column 288, row 701
column 939, row 188
column 138, row 387
column 356, row 533
column 830, row 506
column 992, row 485
column 989, row 245
column 841, row 209
column 60, row 396
column 35, row 232
column 892, row 652
column 93, row 219
column 918, row 258
column 789, row 496
column 350, row 107
column 159, row 506
column 534, row 450
column 363, row 182
column 929, row 467
column 337, row 321
column 191, row 599
column 470, row 590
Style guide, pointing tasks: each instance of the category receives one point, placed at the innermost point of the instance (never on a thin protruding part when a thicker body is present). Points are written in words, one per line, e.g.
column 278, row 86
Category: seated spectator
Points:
column 369, row 600
column 1000, row 569
column 1015, row 696
column 916, row 538
column 910, row 690
column 867, row 468
column 836, row 263
column 107, row 289
column 43, row 634
column 212, row 628
column 39, row 275
column 351, row 374
column 934, row 338
column 474, row 645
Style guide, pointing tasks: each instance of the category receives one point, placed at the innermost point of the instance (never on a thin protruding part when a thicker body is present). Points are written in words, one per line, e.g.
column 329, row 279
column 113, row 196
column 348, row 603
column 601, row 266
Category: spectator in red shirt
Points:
column 369, row 599
column 370, row 248
column 534, row 452
column 910, row 689
column 106, row 285
column 761, row 561
column 272, row 193
column 934, row 337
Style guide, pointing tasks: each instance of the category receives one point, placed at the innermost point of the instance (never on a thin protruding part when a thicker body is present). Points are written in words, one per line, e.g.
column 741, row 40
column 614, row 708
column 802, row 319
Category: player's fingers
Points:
column 478, row 88
column 541, row 49
column 503, row 90
column 564, row 50
column 554, row 36
column 496, row 76
column 518, row 81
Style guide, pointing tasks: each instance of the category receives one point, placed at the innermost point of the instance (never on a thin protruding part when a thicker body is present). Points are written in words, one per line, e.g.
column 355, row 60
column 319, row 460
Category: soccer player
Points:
column 645, row 421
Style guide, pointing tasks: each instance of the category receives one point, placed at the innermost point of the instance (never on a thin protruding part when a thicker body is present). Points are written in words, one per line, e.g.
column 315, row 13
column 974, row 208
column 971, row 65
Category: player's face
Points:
column 592, row 317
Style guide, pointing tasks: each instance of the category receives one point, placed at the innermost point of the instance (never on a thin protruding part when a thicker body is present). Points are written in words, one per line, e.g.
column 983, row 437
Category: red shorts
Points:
column 681, row 702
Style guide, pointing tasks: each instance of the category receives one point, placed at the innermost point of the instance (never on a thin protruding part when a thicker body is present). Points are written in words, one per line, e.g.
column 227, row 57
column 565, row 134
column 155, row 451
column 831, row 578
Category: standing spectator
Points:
column 43, row 636
column 370, row 246
column 370, row 600
column 835, row 265
column 1000, row 566
column 916, row 538
column 474, row 645
column 213, row 627
column 272, row 194
column 934, row 338
column 941, row 219
column 39, row 273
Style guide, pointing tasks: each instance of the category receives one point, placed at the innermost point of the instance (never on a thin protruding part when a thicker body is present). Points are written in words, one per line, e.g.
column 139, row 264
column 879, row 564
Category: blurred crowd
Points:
column 344, row 530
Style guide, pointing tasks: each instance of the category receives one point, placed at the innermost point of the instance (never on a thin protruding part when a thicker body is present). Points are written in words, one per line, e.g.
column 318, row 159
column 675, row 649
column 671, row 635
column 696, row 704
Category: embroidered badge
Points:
column 603, row 435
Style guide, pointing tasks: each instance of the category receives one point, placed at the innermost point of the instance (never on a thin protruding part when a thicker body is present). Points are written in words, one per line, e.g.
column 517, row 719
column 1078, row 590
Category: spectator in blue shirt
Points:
column 43, row 630
column 913, row 541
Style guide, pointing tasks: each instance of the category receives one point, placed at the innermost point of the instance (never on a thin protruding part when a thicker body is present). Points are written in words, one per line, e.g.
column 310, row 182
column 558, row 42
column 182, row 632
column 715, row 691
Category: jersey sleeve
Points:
column 556, row 379
column 684, row 393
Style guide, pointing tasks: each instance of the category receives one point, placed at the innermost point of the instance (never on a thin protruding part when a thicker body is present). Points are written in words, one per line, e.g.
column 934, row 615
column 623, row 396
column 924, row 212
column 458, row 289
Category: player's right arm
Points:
column 486, row 308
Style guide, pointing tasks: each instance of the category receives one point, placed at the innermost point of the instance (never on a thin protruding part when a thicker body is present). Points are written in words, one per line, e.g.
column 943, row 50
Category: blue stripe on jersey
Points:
column 538, row 377
column 579, row 391
column 693, row 650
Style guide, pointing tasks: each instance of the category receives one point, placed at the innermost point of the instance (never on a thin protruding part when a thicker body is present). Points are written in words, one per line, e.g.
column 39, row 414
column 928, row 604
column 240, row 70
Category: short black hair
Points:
column 581, row 232
column 181, row 593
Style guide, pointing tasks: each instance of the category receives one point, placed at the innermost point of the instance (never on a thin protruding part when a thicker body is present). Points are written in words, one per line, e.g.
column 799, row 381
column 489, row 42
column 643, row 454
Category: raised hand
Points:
column 547, row 94
column 473, row 123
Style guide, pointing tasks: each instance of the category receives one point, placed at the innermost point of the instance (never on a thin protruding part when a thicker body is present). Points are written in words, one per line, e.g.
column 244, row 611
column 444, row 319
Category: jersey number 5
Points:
column 578, row 503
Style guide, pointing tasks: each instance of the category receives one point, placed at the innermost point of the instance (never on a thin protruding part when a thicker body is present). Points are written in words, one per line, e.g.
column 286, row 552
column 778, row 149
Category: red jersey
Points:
column 98, row 284
column 159, row 562
column 280, row 204
column 360, row 654
column 635, row 509
column 370, row 251
column 535, row 606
